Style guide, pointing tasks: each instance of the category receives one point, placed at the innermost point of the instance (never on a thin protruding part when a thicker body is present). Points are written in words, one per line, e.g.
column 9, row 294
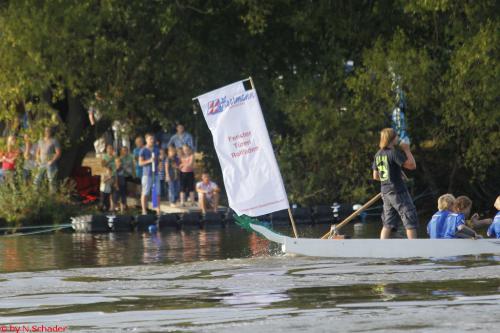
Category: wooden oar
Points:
column 353, row 215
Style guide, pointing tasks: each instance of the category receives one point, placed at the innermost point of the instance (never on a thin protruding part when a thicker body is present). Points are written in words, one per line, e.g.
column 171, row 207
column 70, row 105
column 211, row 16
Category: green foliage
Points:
column 22, row 203
column 147, row 59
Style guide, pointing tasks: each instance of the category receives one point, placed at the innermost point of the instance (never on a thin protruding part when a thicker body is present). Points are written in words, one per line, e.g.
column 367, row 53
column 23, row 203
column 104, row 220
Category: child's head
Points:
column 110, row 150
column 186, row 150
column 162, row 152
column 139, row 141
column 150, row 139
column 172, row 151
column 497, row 203
column 445, row 202
column 462, row 205
column 123, row 151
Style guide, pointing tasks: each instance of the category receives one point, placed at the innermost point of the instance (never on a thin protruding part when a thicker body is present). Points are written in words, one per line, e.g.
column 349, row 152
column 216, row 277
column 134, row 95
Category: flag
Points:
column 251, row 175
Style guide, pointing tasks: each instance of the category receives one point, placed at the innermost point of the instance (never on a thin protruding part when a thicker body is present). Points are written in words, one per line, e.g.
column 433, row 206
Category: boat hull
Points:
column 376, row 248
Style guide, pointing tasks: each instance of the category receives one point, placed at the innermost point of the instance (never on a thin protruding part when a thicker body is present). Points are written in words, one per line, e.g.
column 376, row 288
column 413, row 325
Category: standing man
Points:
column 47, row 154
column 208, row 194
column 181, row 138
column 386, row 167
column 148, row 155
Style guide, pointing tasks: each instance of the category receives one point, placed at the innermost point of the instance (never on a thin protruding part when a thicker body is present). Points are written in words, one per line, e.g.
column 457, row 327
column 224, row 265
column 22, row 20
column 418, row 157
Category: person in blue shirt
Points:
column 435, row 227
column 494, row 229
column 148, row 156
column 181, row 138
column 454, row 226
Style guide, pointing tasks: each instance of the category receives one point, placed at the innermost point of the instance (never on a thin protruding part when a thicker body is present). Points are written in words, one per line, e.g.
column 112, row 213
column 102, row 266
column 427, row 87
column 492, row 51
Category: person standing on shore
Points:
column 9, row 158
column 148, row 155
column 47, row 154
column 387, row 168
column 181, row 138
column 186, row 168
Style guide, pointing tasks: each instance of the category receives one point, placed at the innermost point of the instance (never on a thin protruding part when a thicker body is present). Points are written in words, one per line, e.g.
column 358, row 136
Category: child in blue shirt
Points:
column 454, row 226
column 494, row 229
column 435, row 227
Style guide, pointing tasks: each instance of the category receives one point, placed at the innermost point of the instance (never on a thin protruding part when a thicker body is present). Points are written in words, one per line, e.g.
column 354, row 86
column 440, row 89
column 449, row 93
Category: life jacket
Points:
column 435, row 227
column 451, row 224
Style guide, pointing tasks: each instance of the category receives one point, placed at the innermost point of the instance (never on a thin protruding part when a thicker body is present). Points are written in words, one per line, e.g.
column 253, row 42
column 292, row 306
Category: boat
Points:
column 373, row 248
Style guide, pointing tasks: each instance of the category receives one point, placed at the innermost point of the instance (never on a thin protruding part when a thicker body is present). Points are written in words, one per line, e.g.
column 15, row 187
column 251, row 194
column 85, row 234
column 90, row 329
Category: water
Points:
column 227, row 280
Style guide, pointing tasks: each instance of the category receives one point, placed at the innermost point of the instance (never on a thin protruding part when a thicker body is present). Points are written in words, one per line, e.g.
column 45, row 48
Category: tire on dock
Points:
column 90, row 223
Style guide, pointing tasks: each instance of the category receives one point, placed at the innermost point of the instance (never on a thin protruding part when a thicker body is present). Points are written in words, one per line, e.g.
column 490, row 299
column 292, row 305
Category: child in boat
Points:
column 494, row 229
column 435, row 227
column 454, row 226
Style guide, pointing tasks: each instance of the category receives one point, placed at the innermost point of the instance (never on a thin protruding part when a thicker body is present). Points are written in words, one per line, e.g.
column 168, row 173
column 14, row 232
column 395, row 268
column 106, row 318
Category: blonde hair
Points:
column 497, row 203
column 461, row 204
column 386, row 137
column 445, row 202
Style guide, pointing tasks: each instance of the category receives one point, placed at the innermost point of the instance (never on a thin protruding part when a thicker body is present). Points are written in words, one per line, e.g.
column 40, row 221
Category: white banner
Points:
column 251, row 175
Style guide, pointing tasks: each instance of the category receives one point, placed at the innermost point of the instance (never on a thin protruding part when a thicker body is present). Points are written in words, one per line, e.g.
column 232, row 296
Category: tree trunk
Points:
column 79, row 141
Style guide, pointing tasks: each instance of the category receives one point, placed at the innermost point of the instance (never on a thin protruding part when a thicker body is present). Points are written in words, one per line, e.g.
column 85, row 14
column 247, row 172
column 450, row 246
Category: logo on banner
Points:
column 215, row 107
column 220, row 104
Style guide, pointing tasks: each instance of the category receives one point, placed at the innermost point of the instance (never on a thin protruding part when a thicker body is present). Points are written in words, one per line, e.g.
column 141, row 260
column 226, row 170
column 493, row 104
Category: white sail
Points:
column 252, row 178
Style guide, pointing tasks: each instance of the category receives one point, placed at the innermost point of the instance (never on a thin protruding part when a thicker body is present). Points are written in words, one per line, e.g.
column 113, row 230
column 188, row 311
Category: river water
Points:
column 228, row 280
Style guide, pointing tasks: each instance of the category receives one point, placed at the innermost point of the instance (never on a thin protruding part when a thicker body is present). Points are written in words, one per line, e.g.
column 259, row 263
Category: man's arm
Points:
column 143, row 162
column 410, row 163
column 376, row 176
column 57, row 155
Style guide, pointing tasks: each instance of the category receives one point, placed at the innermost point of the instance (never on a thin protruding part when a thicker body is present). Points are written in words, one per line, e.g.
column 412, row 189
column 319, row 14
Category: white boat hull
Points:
column 376, row 248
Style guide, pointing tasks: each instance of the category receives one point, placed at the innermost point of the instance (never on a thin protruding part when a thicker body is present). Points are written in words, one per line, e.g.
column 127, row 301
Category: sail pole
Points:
column 292, row 220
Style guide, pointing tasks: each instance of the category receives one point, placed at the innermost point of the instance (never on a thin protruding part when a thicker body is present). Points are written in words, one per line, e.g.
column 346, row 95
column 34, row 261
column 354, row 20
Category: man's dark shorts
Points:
column 399, row 205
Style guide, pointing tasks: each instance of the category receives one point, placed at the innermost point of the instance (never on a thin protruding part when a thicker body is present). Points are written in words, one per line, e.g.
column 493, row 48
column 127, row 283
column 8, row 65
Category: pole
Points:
column 353, row 215
column 293, row 223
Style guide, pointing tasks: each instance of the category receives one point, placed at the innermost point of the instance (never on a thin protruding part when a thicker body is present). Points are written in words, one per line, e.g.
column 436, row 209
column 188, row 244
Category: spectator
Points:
column 105, row 188
column 120, row 135
column 124, row 170
column 208, row 194
column 109, row 159
column 172, row 174
column 161, row 173
column 29, row 154
column 163, row 138
column 47, row 154
column 187, row 174
column 148, row 155
column 95, row 116
column 181, row 138
column 9, row 159
column 139, row 143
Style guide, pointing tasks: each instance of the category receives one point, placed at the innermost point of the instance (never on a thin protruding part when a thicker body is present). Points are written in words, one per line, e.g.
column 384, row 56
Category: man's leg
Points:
column 202, row 202
column 215, row 202
column 146, row 184
column 385, row 233
column 39, row 176
column 389, row 217
column 411, row 233
column 408, row 214
column 51, row 176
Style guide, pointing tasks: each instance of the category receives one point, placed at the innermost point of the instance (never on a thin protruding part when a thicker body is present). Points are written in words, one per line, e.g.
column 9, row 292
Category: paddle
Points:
column 154, row 190
column 352, row 216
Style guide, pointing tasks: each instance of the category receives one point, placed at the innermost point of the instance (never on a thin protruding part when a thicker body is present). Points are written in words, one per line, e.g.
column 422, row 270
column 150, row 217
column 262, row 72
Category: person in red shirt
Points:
column 9, row 158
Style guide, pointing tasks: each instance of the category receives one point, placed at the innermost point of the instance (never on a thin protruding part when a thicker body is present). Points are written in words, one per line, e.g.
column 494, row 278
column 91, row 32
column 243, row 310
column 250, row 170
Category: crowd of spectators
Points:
column 159, row 167
column 38, row 158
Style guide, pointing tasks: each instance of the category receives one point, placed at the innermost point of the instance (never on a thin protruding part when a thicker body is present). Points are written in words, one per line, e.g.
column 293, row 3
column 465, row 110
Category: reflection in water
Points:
column 69, row 250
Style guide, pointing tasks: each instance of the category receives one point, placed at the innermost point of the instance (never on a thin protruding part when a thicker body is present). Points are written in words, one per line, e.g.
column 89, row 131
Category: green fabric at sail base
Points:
column 244, row 222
